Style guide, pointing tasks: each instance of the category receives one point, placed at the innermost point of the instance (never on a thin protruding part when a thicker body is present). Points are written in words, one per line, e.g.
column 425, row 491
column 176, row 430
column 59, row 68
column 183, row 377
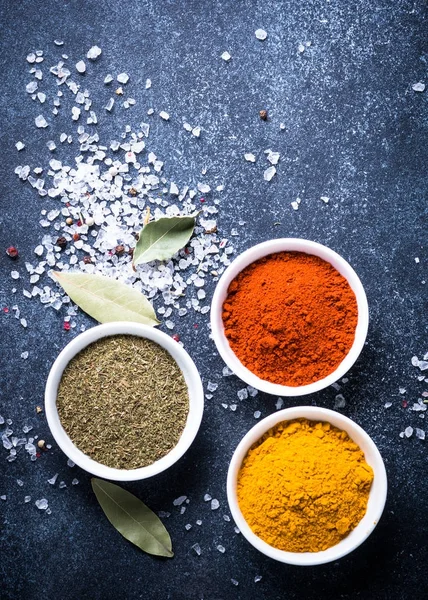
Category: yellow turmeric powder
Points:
column 304, row 486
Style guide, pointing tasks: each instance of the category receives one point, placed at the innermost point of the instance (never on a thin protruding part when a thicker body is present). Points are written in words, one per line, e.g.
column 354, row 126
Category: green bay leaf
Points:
column 106, row 299
column 161, row 239
column 132, row 518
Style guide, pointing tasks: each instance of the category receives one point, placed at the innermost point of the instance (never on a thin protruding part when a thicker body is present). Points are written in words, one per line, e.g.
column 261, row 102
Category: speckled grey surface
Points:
column 355, row 132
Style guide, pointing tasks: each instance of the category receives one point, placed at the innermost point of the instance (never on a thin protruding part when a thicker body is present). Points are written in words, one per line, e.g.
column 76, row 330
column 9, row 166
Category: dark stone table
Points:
column 339, row 76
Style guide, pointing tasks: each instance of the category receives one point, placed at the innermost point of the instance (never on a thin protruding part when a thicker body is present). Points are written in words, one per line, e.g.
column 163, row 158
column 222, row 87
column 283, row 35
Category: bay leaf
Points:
column 132, row 518
column 106, row 299
column 161, row 239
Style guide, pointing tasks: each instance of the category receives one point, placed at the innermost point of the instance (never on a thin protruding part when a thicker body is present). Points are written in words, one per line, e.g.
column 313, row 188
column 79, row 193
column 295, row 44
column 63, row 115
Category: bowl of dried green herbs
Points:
column 124, row 401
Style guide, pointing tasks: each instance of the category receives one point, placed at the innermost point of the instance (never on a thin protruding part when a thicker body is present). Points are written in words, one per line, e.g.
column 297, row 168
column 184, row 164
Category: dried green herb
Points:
column 123, row 401
column 106, row 299
column 161, row 239
column 132, row 518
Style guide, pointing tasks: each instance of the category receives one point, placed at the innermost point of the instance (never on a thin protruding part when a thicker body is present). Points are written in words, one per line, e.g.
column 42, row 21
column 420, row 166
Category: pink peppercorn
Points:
column 175, row 337
column 66, row 326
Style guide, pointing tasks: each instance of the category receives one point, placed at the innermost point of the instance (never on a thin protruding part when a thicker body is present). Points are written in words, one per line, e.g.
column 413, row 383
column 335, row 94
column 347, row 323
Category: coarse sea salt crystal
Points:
column 207, row 497
column 325, row 199
column 221, row 548
column 40, row 121
column 215, row 504
column 31, row 87
column 19, row 146
column 24, row 355
column 420, row 433
column 14, row 274
column 27, row 499
column 42, row 504
column 94, row 52
column 257, row 578
column 257, row 414
column 408, row 432
column 196, row 131
column 179, row 501
column 279, row 403
column 164, row 115
column 197, row 549
column 53, row 479
column 80, row 66
column 226, row 56
column 249, row 157
column 123, row 78
column 260, row 34
column 418, row 87
column 269, row 173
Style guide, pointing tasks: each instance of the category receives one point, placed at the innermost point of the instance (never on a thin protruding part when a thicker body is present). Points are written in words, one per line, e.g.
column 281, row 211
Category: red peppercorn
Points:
column 87, row 260
column 12, row 252
column 5, row 309
column 175, row 337
column 76, row 237
column 66, row 326
column 404, row 404
column 79, row 223
column 202, row 200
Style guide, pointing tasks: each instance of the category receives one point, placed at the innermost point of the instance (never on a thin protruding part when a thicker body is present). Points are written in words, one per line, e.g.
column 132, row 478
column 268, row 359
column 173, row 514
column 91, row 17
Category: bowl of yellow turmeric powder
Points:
column 289, row 316
column 306, row 486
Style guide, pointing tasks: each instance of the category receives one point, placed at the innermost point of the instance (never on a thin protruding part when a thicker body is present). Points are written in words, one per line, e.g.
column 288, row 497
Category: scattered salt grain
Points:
column 388, row 404
column 269, row 173
column 325, row 199
column 31, row 87
column 123, row 78
column 227, row 372
column 420, row 433
column 221, row 548
column 215, row 504
column 279, row 403
column 179, row 501
column 42, row 504
column 19, row 146
column 273, row 157
column 53, row 479
column 257, row 414
column 62, row 485
column 31, row 58
column 196, row 131
column 226, row 56
column 3, row 497
column 339, row 401
column 257, row 578
column 408, row 432
column 93, row 52
column 188, row 527
column 75, row 482
column 199, row 522
column 148, row 84
column 301, row 48
column 24, row 355
column 164, row 115
column 211, row 387
column 260, row 34
column 80, row 66
column 226, row 518
column 27, row 499
column 70, row 463
column 58, row 43
column 418, row 87
column 197, row 549
column 249, row 157
column 40, row 121
column 234, row 581
column 207, row 498
column 14, row 274
column 242, row 394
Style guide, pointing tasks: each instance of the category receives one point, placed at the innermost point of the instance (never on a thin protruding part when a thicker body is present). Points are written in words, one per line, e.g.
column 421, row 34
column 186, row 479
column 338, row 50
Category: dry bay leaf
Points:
column 106, row 299
column 161, row 239
column 132, row 518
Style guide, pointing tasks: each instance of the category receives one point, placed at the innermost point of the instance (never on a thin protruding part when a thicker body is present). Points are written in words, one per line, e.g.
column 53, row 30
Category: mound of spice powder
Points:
column 290, row 318
column 123, row 401
column 304, row 486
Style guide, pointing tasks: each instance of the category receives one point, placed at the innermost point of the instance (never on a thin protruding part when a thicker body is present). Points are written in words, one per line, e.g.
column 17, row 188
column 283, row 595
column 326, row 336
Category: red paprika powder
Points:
column 290, row 318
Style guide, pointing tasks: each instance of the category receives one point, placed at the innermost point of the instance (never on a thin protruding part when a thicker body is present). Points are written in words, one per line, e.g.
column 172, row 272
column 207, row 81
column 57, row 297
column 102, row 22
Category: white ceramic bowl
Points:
column 376, row 500
column 190, row 373
column 250, row 256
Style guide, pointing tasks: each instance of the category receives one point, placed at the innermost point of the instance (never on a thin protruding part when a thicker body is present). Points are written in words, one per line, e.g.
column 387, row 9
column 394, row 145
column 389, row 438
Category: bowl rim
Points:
column 187, row 367
column 377, row 496
column 288, row 245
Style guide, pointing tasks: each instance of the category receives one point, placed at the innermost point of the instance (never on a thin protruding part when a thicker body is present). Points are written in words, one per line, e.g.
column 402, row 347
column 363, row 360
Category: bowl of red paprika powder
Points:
column 289, row 316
